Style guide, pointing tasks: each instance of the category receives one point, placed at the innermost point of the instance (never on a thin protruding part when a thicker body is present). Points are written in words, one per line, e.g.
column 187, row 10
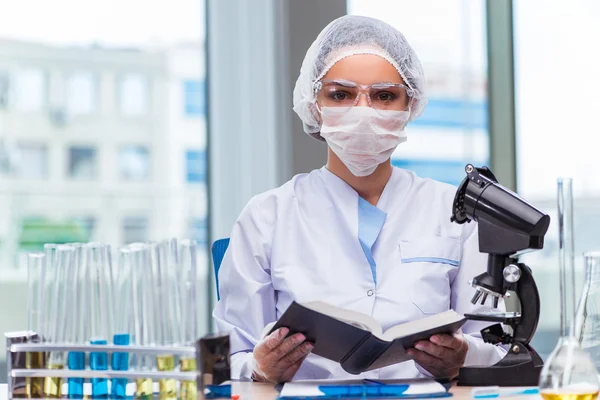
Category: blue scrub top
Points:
column 370, row 223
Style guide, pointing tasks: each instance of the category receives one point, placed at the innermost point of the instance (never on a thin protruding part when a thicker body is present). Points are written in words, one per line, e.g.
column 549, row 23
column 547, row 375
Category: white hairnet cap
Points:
column 347, row 36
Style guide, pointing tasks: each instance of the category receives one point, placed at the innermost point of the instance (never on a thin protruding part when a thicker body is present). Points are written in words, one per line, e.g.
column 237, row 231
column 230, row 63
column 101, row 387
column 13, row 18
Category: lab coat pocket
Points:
column 428, row 263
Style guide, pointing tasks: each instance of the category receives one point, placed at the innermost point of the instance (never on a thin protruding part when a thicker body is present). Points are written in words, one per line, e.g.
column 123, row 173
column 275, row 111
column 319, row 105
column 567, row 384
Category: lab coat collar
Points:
column 393, row 192
column 343, row 198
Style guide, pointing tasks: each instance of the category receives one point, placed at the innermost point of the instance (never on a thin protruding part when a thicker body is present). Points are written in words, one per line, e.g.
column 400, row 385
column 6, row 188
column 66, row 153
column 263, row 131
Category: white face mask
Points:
column 363, row 137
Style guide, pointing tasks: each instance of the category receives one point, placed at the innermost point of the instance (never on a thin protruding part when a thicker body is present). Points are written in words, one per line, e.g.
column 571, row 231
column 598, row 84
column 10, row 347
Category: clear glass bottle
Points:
column 587, row 319
column 569, row 373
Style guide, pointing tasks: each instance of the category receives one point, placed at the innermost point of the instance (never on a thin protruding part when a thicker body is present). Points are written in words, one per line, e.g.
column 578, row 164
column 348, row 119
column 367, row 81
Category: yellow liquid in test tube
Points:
column 143, row 388
column 189, row 391
column 53, row 386
column 34, row 387
column 167, row 387
column 569, row 396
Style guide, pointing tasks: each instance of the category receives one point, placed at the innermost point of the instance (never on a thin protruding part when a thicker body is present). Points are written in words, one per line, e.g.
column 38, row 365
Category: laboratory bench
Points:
column 264, row 391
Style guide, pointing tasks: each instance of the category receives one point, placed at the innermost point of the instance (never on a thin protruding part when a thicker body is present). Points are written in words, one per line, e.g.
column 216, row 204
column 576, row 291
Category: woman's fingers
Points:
column 281, row 351
column 299, row 353
column 270, row 342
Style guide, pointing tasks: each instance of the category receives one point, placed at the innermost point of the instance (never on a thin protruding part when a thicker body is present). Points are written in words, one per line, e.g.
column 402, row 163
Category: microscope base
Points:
column 518, row 368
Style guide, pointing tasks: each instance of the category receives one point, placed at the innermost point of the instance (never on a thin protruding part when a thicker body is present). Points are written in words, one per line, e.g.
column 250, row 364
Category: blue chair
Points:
column 218, row 252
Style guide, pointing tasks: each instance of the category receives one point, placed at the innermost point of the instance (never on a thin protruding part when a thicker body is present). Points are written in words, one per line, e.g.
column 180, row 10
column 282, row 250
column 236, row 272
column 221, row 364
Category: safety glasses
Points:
column 346, row 94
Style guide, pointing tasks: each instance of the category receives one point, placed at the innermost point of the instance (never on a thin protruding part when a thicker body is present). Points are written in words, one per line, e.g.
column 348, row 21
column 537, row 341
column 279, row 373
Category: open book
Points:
column 356, row 340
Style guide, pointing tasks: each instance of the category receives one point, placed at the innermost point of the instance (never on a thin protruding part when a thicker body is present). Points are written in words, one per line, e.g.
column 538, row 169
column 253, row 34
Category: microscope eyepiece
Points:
column 498, row 211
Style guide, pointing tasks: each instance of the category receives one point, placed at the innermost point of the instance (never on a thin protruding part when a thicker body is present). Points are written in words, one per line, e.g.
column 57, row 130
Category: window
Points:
column 557, row 133
column 453, row 130
column 82, row 163
column 88, row 224
column 81, row 93
column 194, row 98
column 134, row 162
column 87, row 112
column 30, row 90
column 4, row 86
column 133, row 94
column 198, row 231
column 32, row 161
column 195, row 161
column 7, row 157
column 135, row 229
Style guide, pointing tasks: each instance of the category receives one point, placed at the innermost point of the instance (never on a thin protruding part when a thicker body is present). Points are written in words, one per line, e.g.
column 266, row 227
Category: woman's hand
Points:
column 277, row 358
column 441, row 355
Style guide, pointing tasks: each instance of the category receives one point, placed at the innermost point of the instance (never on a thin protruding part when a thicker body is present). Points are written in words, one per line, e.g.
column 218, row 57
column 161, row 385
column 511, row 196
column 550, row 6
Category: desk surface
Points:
column 263, row 391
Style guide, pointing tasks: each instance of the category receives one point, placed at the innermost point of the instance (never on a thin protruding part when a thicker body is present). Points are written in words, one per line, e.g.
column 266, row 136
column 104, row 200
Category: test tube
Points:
column 123, row 320
column 143, row 314
column 77, row 314
column 47, row 316
column 187, row 273
column 58, row 274
column 48, row 290
column 163, row 262
column 100, row 303
column 35, row 292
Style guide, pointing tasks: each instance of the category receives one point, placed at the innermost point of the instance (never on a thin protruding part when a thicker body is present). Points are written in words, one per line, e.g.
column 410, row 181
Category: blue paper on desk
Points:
column 328, row 389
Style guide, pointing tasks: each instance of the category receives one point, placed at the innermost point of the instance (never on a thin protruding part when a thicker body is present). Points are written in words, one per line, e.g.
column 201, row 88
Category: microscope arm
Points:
column 529, row 297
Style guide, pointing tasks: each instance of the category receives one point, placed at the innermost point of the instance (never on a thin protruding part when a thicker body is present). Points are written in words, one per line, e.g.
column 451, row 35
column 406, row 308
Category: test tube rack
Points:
column 212, row 369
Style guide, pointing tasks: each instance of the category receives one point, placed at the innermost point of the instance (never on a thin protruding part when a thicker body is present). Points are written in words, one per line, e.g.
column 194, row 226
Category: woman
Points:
column 358, row 233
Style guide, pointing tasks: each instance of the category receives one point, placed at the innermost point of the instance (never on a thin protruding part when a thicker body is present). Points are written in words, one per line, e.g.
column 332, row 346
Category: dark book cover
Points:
column 355, row 349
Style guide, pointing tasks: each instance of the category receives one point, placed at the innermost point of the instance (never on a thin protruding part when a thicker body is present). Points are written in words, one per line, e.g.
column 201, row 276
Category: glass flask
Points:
column 569, row 373
column 587, row 319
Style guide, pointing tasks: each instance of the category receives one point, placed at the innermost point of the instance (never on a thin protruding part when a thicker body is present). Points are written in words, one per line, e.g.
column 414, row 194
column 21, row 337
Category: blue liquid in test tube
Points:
column 76, row 361
column 99, row 362
column 120, row 362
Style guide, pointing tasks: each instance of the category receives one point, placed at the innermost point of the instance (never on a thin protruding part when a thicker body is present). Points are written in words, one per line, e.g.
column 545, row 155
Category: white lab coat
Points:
column 299, row 243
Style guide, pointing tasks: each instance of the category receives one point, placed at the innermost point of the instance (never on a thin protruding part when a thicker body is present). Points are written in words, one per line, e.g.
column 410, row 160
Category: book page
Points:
column 362, row 321
column 427, row 323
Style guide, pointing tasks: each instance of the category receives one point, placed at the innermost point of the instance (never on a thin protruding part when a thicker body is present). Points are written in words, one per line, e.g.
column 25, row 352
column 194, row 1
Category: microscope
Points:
column 508, row 227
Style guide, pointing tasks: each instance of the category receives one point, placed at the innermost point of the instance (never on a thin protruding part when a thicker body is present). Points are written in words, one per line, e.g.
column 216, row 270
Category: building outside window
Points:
column 135, row 229
column 4, row 87
column 194, row 98
column 32, row 161
column 133, row 94
column 30, row 90
column 557, row 135
column 81, row 93
column 88, row 223
column 84, row 96
column 134, row 162
column 195, row 162
column 83, row 162
column 453, row 130
column 198, row 231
